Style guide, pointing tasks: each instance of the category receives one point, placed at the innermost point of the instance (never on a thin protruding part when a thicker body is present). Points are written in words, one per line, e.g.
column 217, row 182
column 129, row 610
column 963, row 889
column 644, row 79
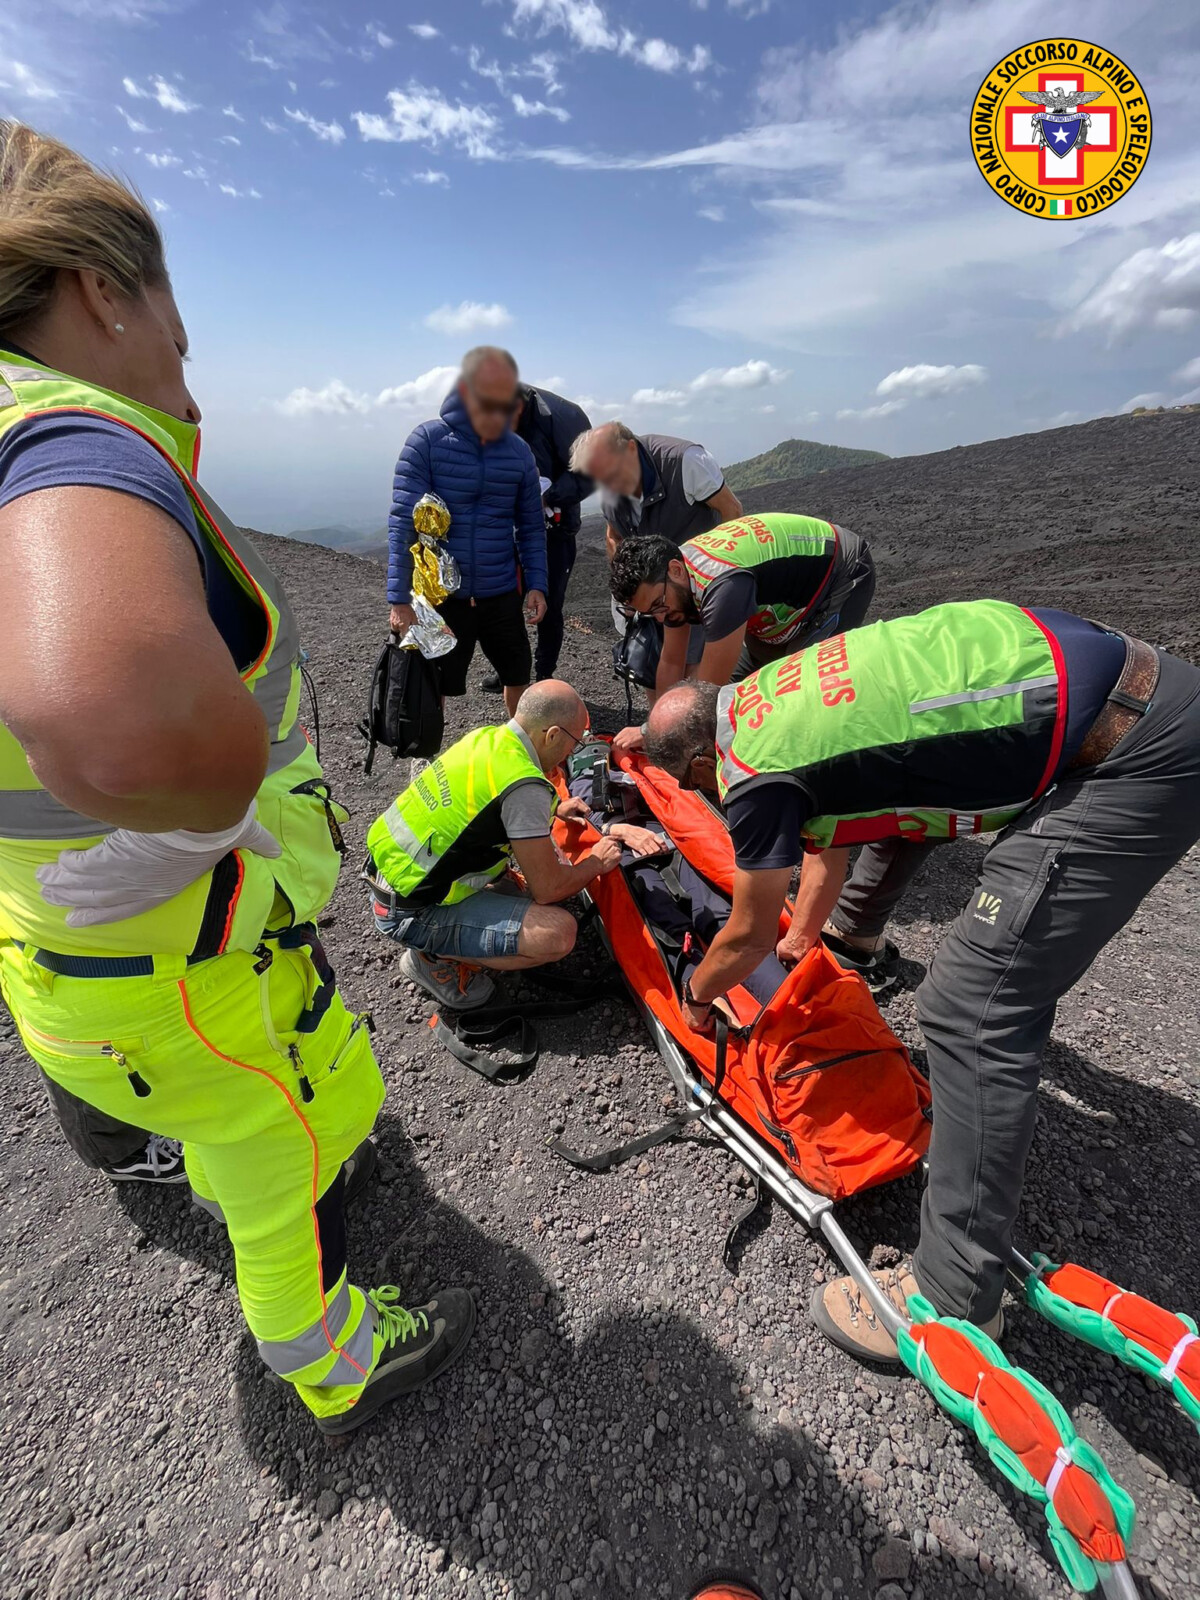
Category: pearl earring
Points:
column 119, row 327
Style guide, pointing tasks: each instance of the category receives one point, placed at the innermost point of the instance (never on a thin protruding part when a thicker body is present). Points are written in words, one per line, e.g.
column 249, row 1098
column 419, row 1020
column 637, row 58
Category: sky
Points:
column 736, row 220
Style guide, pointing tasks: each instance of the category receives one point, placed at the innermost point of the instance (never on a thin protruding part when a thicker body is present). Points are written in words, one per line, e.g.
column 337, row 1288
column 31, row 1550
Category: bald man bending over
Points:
column 439, row 855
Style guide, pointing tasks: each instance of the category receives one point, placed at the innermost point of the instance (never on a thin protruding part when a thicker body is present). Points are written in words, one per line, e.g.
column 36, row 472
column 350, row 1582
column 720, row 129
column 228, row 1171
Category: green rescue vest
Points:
column 229, row 908
column 934, row 726
column 750, row 542
column 443, row 838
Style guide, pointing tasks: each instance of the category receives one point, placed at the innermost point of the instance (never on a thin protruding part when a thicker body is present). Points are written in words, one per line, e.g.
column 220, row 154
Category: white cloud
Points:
column 587, row 26
column 1190, row 371
column 884, row 410
column 198, row 174
column 424, row 30
column 229, row 111
column 712, row 213
column 328, row 132
column 538, row 108
column 229, row 138
column 166, row 94
column 382, row 39
column 271, row 125
column 161, row 159
column 26, row 83
column 919, row 382
column 1146, row 402
column 750, row 375
column 469, row 316
column 239, row 194
column 924, row 382
column 660, row 56
column 132, row 123
column 424, row 394
column 160, row 205
column 1153, row 288
column 335, row 399
column 425, row 116
column 657, row 397
column 431, row 176
column 582, row 20
column 420, row 396
column 257, row 58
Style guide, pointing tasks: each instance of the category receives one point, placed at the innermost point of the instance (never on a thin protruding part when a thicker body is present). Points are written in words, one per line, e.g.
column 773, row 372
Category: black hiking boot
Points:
column 879, row 969
column 491, row 683
column 411, row 1349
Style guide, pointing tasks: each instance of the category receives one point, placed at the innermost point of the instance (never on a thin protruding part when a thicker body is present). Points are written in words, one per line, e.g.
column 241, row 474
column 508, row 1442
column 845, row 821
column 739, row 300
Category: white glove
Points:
column 129, row 873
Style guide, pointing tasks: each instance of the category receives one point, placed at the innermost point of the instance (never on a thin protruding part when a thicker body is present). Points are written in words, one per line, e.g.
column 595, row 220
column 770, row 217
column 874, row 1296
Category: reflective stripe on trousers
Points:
column 290, row 1357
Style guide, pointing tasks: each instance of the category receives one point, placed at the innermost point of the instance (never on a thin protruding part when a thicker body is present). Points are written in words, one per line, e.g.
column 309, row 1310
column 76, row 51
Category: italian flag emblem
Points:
column 1058, row 208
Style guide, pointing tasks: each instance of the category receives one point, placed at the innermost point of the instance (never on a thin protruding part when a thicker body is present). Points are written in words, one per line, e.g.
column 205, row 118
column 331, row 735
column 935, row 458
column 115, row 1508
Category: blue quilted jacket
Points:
column 493, row 494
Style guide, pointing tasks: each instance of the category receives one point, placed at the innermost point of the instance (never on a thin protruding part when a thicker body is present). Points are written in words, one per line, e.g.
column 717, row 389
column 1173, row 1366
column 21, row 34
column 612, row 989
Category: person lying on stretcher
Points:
column 681, row 907
column 440, row 856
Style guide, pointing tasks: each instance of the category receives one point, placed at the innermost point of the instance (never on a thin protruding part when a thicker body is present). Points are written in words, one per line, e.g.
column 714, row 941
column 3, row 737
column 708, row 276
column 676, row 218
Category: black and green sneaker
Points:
column 411, row 1349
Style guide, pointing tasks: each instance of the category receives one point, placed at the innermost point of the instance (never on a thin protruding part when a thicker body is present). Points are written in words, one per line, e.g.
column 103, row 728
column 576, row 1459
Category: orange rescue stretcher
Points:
column 811, row 1090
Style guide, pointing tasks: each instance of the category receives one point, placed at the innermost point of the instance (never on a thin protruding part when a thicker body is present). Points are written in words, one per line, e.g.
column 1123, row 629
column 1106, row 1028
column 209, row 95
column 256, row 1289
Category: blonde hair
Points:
column 58, row 213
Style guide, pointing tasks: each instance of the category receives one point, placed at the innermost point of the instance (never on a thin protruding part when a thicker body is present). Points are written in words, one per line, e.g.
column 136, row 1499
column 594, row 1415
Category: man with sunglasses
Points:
column 486, row 475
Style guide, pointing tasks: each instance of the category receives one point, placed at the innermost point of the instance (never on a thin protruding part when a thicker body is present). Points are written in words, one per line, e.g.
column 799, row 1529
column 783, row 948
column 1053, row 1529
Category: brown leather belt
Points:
column 1125, row 706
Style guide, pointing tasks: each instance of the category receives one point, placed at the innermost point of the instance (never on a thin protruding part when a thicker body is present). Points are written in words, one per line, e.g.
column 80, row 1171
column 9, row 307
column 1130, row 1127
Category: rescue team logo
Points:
column 1060, row 128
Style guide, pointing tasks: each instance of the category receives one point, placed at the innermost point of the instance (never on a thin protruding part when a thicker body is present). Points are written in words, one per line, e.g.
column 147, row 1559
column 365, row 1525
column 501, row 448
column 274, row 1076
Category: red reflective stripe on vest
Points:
column 1060, row 719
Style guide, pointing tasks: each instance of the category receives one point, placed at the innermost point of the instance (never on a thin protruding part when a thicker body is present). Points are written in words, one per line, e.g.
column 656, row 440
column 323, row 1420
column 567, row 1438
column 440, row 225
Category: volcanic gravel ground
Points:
column 629, row 1415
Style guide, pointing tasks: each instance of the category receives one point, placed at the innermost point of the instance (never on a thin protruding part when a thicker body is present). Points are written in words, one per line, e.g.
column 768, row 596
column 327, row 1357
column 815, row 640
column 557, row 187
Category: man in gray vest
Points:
column 652, row 485
column 655, row 484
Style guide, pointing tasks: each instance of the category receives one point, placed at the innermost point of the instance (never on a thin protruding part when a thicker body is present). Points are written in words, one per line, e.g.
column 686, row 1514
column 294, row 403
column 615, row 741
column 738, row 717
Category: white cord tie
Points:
column 1172, row 1365
column 1062, row 1460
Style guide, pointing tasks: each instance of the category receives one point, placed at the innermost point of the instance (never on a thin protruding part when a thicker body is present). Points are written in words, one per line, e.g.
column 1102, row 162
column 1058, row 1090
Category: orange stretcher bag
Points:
column 814, row 1070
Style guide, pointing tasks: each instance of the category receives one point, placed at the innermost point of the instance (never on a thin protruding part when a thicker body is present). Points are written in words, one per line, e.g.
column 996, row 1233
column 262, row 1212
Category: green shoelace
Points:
column 394, row 1323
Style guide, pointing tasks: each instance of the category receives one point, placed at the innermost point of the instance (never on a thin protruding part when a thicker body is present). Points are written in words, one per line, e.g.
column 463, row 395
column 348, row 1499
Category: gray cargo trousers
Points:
column 1055, row 887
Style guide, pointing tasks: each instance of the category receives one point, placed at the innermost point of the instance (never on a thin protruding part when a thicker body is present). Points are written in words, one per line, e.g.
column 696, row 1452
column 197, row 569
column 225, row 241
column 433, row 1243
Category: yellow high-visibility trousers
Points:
column 254, row 1062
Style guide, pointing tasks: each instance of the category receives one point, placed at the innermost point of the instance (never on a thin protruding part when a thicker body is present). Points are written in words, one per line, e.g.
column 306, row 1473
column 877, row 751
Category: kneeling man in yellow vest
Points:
column 440, row 856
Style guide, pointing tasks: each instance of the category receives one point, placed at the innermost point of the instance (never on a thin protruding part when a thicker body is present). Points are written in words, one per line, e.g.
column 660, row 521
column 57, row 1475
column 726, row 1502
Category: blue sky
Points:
column 742, row 220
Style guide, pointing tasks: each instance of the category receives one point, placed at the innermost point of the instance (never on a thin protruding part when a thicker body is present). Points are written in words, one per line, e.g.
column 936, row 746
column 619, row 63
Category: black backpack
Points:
column 404, row 708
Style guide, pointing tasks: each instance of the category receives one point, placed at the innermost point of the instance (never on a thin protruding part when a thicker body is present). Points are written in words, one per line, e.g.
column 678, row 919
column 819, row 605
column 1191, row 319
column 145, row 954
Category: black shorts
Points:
column 497, row 626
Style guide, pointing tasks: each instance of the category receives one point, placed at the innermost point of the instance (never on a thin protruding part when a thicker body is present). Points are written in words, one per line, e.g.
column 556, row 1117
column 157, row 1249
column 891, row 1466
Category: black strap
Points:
column 722, row 1027
column 606, row 1160
column 474, row 1037
column 760, row 1207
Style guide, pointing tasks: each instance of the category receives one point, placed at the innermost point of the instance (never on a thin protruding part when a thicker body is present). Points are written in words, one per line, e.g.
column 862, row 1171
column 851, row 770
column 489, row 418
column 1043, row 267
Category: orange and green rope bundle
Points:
column 1028, row 1435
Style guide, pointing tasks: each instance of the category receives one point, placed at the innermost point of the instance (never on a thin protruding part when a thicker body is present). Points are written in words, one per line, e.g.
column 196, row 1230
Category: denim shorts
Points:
column 485, row 924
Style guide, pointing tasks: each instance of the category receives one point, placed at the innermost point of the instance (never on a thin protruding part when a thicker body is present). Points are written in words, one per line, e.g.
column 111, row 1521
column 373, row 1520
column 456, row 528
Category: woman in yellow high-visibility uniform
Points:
column 166, row 838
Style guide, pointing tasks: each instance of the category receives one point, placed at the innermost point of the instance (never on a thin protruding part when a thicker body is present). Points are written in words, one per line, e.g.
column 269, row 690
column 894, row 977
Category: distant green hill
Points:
column 795, row 458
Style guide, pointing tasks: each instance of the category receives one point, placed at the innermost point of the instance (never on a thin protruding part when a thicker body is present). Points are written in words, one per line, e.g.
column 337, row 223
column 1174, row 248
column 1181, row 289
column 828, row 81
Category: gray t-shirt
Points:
column 526, row 808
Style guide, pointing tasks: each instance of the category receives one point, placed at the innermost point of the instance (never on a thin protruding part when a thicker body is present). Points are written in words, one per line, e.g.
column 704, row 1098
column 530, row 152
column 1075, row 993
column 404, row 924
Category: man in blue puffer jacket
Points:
column 487, row 477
